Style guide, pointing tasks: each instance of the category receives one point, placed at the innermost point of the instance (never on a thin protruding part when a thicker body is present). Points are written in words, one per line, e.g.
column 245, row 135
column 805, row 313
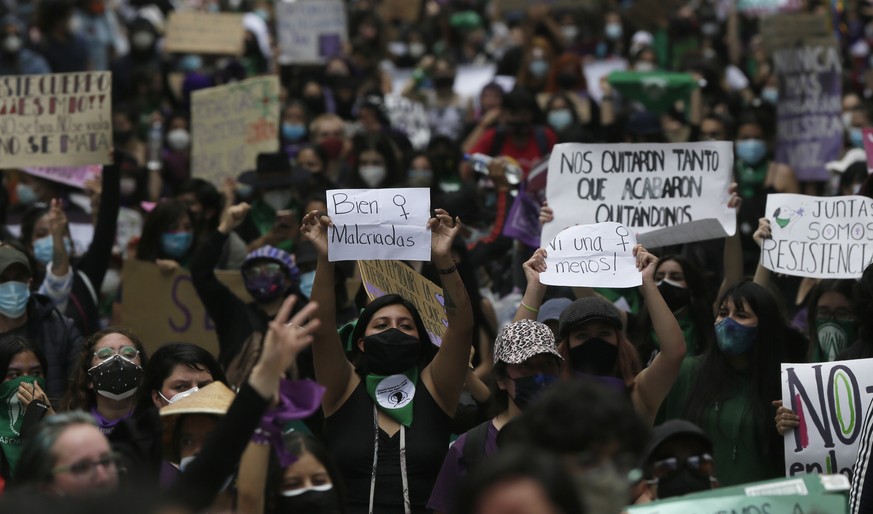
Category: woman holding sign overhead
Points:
column 398, row 383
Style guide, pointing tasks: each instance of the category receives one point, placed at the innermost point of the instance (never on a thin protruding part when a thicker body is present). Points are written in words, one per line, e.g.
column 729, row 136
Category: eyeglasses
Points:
column 842, row 313
column 262, row 269
column 126, row 352
column 86, row 468
column 700, row 464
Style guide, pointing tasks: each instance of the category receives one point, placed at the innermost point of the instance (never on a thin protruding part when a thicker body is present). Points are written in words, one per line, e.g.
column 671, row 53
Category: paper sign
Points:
column 789, row 504
column 231, row 125
column 832, row 400
column 164, row 307
column 386, row 277
column 311, row 31
column 868, row 148
column 380, row 224
column 59, row 119
column 410, row 118
column 664, row 193
column 818, row 237
column 596, row 70
column 598, row 255
column 200, row 32
column 71, row 176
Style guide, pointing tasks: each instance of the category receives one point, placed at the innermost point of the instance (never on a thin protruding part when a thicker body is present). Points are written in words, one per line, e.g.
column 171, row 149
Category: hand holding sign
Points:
column 315, row 226
column 599, row 255
column 443, row 230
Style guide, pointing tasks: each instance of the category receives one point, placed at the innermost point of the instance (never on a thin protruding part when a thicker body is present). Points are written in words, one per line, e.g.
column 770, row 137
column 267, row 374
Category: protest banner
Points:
column 164, row 307
column 231, row 125
column 786, row 504
column 818, row 237
column 380, row 224
column 664, row 193
column 658, row 91
column 58, row 119
column 599, row 255
column 75, row 176
column 410, row 118
column 832, row 400
column 310, row 31
column 198, row 32
column 394, row 277
column 868, row 147
column 806, row 59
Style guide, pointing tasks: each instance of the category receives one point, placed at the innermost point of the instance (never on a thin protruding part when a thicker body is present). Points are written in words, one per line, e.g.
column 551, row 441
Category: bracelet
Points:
column 528, row 307
column 447, row 271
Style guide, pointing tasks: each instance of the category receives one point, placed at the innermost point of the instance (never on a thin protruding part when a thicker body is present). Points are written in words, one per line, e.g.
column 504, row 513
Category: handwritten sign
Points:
column 819, row 237
column 60, row 119
column 231, row 125
column 311, row 31
column 832, row 400
column 409, row 117
column 598, row 255
column 787, row 504
column 199, row 32
column 72, row 176
column 387, row 277
column 171, row 310
column 665, row 193
column 382, row 224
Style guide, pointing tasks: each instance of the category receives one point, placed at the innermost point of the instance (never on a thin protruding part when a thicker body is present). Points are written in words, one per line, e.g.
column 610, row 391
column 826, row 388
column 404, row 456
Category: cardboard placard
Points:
column 599, row 255
column 387, row 277
column 403, row 10
column 311, row 31
column 72, row 176
column 58, row 119
column 164, row 307
column 231, row 125
column 788, row 504
column 664, row 193
column 198, row 32
column 818, row 237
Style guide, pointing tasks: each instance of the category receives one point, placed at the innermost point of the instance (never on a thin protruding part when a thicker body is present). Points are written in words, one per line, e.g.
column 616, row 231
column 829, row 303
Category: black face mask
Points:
column 519, row 129
column 594, row 356
column 122, row 136
column 567, row 80
column 528, row 389
column 444, row 82
column 390, row 352
column 683, row 482
column 675, row 296
column 323, row 502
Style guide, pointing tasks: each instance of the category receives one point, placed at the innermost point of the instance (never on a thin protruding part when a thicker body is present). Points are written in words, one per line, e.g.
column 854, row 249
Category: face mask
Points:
column 176, row 244
column 856, row 137
column 263, row 14
column 111, row 282
column 13, row 299
column 266, row 287
column 142, row 40
column 372, row 175
column 517, row 129
column 178, row 396
column 417, row 49
column 44, row 248
column 128, row 186
column 570, row 33
column 528, row 389
column 178, row 139
column 751, row 151
column 846, row 118
column 333, row 147
column 122, row 137
column 603, row 489
column 734, row 338
column 186, row 461
column 709, row 29
column 683, row 482
column 12, row 44
column 444, row 82
column 244, row 191
column 116, row 378
column 560, row 119
column 567, row 80
column 538, row 67
column 278, row 199
column 613, row 31
column 644, row 66
column 320, row 498
column 390, row 352
column 834, row 336
column 594, row 356
column 770, row 95
column 293, row 131
column 674, row 294
column 25, row 193
column 419, row 178
column 190, row 62
column 306, row 281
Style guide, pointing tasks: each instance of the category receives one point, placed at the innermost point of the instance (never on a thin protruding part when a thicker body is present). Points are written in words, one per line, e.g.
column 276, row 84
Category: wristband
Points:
column 447, row 271
column 528, row 307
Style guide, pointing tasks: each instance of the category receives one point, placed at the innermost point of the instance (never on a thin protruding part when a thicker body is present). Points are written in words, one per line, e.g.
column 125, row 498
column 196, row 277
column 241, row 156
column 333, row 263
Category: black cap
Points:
column 674, row 428
column 587, row 309
column 10, row 255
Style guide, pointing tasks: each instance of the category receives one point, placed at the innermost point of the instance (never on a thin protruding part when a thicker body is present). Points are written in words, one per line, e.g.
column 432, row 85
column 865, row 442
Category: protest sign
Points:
column 381, row 224
column 595, row 70
column 198, row 32
column 787, row 504
column 408, row 11
column 832, row 400
column 310, row 31
column 762, row 7
column 868, row 147
column 71, row 176
column 231, row 125
column 806, row 59
column 599, row 255
column 664, row 193
column 163, row 307
column 658, row 91
column 59, row 119
column 394, row 277
column 410, row 118
column 818, row 237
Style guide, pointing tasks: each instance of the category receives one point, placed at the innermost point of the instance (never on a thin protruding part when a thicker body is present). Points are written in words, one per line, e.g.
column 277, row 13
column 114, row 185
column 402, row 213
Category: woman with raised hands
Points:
column 398, row 382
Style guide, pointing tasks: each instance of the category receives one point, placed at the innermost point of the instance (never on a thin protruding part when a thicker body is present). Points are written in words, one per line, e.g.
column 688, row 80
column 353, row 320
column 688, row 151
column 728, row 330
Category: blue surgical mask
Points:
column 306, row 281
column 560, row 119
column 13, row 299
column 419, row 177
column 539, row 67
column 734, row 338
column 528, row 389
column 770, row 95
column 856, row 137
column 613, row 31
column 191, row 62
column 44, row 247
column 176, row 244
column 293, row 131
column 25, row 193
column 751, row 151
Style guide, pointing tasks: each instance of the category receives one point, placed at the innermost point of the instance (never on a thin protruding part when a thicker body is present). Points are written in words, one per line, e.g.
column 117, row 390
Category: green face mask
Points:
column 834, row 336
column 11, row 416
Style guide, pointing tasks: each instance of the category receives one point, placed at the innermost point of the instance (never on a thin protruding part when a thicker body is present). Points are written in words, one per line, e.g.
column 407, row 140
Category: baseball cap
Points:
column 552, row 309
column 274, row 254
column 10, row 255
column 521, row 340
column 587, row 309
column 674, row 428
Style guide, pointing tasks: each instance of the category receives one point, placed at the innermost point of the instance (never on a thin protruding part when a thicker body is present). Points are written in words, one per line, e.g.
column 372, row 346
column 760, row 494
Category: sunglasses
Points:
column 700, row 464
column 126, row 352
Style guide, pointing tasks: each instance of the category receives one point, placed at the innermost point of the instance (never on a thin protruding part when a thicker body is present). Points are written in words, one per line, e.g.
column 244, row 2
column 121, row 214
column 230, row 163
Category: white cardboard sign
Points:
column 599, row 255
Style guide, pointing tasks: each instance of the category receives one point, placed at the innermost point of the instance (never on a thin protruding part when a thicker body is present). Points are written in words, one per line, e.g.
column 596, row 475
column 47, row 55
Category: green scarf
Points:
column 658, row 91
column 393, row 394
column 11, row 416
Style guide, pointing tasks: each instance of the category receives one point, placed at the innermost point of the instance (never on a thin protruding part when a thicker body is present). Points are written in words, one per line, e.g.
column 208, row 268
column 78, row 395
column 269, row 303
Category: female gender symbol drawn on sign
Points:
column 401, row 205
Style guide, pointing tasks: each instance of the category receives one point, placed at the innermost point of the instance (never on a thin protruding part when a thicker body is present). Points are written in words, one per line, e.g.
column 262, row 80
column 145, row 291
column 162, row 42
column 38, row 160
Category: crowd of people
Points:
column 539, row 399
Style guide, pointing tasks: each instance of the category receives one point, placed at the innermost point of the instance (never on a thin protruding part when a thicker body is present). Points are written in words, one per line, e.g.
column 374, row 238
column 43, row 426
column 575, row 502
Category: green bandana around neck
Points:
column 12, row 415
column 393, row 394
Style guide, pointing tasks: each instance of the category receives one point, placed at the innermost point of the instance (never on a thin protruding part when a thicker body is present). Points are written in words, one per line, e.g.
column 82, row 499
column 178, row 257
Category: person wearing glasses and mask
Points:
column 678, row 460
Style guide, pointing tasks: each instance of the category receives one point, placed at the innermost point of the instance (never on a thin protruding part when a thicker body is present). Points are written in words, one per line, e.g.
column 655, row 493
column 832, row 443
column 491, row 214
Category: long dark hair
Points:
column 382, row 145
column 163, row 216
column 15, row 345
column 165, row 360
column 299, row 443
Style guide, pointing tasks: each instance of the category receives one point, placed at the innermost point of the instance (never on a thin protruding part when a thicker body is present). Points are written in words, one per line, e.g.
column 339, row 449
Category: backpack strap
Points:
column 474, row 446
column 542, row 141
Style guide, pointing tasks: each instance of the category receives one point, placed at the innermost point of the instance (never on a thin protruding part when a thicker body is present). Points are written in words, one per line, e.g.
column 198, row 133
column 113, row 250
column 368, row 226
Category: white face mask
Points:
column 178, row 396
column 372, row 175
column 417, row 49
column 12, row 44
column 846, row 118
column 178, row 139
column 644, row 66
column 128, row 186
column 111, row 282
column 278, row 199
column 142, row 40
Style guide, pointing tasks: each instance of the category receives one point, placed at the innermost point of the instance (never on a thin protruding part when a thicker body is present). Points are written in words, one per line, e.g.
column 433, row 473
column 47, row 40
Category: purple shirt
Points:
column 454, row 470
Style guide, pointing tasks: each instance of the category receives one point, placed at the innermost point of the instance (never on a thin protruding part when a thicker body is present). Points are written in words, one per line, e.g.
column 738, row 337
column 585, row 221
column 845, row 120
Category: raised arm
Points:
column 535, row 290
column 654, row 382
column 762, row 274
column 58, row 283
column 449, row 367
column 332, row 368
column 733, row 250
